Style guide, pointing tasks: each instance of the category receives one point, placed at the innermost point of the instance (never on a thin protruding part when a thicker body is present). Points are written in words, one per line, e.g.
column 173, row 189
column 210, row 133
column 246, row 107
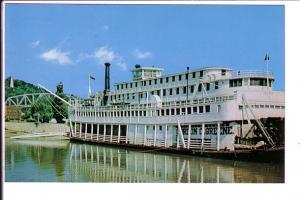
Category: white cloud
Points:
column 104, row 54
column 142, row 55
column 57, row 56
column 35, row 44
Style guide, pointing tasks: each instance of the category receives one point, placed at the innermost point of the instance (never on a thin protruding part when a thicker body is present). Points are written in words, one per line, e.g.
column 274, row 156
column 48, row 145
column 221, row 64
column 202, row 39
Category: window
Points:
column 172, row 111
column 177, row 90
column 189, row 110
column 200, row 109
column 258, row 81
column 160, row 80
column 122, row 86
column 207, row 108
column 199, row 87
column 144, row 83
column 223, row 72
column 194, row 74
column 158, row 92
column 216, row 85
column 155, row 81
column 135, row 84
column 192, row 88
column 195, row 109
column 162, row 112
column 167, row 112
column 219, row 108
column 160, row 128
column 141, row 95
column 117, row 87
column 182, row 111
column 130, row 85
column 133, row 96
column 177, row 111
column 201, row 74
column 170, row 91
column 150, row 82
column 184, row 90
column 126, row 86
column 179, row 77
column 152, row 92
column 164, row 92
column 207, row 86
column 236, row 82
column 173, row 78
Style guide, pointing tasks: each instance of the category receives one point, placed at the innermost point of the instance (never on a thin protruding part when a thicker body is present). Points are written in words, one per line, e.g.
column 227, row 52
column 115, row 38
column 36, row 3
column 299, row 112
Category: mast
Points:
column 90, row 91
column 267, row 58
column 187, row 84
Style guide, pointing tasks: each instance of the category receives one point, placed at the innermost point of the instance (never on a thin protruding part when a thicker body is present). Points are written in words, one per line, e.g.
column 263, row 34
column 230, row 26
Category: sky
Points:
column 47, row 44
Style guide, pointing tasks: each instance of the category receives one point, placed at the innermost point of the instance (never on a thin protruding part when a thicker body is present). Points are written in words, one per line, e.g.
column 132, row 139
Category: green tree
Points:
column 41, row 110
column 60, row 108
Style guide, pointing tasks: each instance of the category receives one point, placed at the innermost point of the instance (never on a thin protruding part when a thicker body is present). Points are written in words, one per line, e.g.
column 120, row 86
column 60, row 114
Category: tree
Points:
column 60, row 108
column 41, row 110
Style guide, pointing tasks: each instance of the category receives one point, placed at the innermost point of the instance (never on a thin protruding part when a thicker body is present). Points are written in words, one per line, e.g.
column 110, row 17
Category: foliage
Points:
column 60, row 108
column 20, row 87
column 41, row 110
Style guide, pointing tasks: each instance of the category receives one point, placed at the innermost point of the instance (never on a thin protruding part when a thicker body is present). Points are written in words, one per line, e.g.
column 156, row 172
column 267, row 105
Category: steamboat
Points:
column 211, row 111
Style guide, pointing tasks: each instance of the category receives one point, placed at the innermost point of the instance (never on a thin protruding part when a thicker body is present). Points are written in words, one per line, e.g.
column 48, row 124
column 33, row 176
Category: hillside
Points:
column 20, row 87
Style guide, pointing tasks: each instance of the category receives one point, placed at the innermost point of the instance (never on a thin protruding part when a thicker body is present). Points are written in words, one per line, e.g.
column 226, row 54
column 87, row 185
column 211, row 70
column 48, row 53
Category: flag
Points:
column 267, row 57
column 93, row 78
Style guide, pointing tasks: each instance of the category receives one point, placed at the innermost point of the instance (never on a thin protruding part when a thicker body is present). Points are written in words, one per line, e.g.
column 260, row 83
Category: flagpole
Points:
column 267, row 57
column 89, row 86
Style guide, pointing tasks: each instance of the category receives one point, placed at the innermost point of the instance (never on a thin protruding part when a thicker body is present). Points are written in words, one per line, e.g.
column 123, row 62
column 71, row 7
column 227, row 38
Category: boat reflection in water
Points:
column 94, row 163
column 62, row 161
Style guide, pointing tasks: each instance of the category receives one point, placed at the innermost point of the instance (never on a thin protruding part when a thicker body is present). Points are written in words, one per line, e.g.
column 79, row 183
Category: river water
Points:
column 63, row 161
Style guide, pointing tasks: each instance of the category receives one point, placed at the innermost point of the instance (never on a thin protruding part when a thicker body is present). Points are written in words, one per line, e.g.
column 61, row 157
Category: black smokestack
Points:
column 107, row 77
column 107, row 82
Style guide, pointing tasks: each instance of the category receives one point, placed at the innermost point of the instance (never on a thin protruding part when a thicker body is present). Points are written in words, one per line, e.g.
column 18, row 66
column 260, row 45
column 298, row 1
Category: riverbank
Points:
column 19, row 128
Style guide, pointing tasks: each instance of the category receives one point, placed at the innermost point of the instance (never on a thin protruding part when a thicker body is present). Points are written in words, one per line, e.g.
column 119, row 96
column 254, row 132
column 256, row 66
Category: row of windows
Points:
column 264, row 106
column 159, row 80
column 259, row 82
column 232, row 83
column 253, row 82
column 165, row 92
column 143, row 113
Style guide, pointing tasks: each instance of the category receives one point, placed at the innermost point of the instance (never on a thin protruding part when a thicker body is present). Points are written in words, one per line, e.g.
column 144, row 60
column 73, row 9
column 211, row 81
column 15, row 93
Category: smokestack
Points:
column 107, row 77
column 107, row 82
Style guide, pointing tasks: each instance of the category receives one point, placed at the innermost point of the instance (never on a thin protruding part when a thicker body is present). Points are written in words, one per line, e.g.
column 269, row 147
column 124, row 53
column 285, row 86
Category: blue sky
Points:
column 50, row 43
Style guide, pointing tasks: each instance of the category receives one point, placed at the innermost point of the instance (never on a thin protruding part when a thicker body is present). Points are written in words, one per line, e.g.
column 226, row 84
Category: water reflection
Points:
column 38, row 155
column 74, row 162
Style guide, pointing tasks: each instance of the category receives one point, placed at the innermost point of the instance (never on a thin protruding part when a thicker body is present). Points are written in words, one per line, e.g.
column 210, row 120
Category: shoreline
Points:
column 14, row 128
